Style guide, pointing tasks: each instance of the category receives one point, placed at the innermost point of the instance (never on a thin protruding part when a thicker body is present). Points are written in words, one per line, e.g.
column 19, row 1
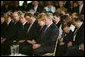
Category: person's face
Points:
column 22, row 18
column 41, row 23
column 61, row 3
column 49, row 2
column 80, row 2
column 82, row 46
column 75, row 23
column 28, row 18
column 35, row 3
column 66, row 29
column 2, row 19
column 74, row 15
column 6, row 17
column 16, row 17
column 56, row 19
column 47, row 20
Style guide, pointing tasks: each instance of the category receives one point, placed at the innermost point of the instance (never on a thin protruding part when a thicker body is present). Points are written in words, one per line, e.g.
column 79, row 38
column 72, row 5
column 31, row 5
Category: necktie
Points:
column 45, row 29
column 29, row 27
column 75, row 35
column 23, row 26
column 40, row 29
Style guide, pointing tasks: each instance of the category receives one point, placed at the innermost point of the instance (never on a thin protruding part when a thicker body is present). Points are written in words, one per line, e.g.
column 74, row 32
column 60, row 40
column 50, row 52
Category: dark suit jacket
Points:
column 80, row 35
column 21, row 31
column 3, row 29
column 74, row 51
column 68, row 7
column 10, row 31
column 76, row 9
column 48, row 39
column 40, row 31
column 39, row 8
column 58, row 24
column 68, row 37
column 32, row 34
column 16, row 28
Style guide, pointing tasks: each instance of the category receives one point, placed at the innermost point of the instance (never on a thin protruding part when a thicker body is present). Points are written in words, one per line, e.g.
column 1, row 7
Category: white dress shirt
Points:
column 80, row 8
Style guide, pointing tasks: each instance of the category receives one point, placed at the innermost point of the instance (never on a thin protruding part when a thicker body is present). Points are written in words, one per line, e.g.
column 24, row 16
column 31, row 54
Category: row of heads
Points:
column 42, row 16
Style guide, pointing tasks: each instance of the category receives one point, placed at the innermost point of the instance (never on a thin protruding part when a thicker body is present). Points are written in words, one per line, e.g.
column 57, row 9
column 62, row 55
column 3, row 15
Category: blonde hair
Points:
column 6, row 17
column 41, row 17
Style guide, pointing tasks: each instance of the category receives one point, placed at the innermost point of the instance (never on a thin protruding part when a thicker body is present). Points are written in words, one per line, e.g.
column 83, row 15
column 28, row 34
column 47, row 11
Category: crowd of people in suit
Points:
column 36, row 28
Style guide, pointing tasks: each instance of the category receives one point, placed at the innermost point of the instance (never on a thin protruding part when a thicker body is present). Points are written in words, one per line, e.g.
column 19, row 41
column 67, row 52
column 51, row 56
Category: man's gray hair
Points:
column 50, row 15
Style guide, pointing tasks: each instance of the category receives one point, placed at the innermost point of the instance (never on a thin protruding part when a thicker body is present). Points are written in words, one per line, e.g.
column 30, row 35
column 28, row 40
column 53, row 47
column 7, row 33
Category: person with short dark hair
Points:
column 56, row 19
column 65, row 41
column 78, row 48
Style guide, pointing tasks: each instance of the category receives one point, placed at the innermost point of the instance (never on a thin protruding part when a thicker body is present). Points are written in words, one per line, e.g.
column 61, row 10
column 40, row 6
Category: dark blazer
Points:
column 15, row 27
column 48, row 39
column 74, row 51
column 68, row 7
column 9, row 34
column 10, row 31
column 32, row 34
column 21, row 31
column 3, row 29
column 68, row 37
column 76, row 9
column 39, row 8
column 40, row 31
column 58, row 24
column 80, row 35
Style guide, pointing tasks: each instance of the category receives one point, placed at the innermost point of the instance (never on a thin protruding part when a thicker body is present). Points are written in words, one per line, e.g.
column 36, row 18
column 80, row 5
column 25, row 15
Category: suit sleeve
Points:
column 49, row 45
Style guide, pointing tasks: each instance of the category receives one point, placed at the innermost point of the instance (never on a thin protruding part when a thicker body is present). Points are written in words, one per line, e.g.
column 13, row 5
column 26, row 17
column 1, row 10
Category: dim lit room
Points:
column 42, row 28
